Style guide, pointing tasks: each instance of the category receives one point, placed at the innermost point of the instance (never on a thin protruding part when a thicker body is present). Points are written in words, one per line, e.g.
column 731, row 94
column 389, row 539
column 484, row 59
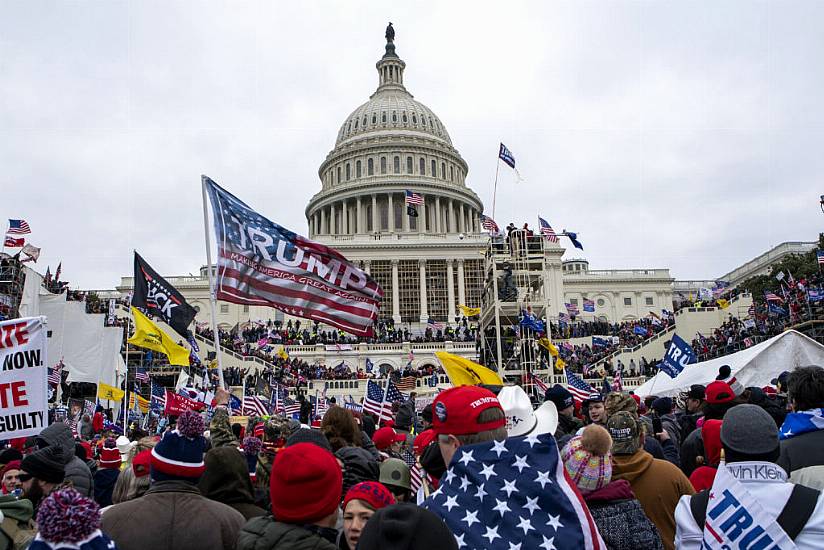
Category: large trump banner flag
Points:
column 261, row 263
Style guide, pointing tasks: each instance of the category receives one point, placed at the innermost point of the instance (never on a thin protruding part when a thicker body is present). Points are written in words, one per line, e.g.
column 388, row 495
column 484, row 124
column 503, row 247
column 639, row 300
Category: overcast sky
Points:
column 672, row 134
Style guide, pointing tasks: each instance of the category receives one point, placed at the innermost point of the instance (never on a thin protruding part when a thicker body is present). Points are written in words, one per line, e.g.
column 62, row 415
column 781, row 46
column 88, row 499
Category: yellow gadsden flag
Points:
column 549, row 346
column 723, row 304
column 148, row 335
column 463, row 372
column 467, row 311
column 105, row 391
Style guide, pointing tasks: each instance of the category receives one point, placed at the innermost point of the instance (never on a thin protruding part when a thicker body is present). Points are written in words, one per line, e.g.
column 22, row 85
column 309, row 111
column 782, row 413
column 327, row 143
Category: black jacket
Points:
column 104, row 480
column 226, row 480
column 405, row 416
column 264, row 533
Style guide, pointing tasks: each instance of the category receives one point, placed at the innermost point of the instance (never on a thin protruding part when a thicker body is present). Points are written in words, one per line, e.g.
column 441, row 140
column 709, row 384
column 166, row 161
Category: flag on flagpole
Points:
column 12, row 242
column 547, row 231
column 32, row 253
column 589, row 306
column 156, row 296
column 820, row 257
column 158, row 397
column 573, row 237
column 18, row 227
column 463, row 372
column 467, row 311
column 373, row 400
column 262, row 263
column 540, row 384
column 579, row 389
column 413, row 199
column 148, row 335
column 506, row 155
column 489, row 224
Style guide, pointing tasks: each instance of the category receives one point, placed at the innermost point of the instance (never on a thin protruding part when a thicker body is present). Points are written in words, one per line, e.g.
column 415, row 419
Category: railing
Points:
column 610, row 273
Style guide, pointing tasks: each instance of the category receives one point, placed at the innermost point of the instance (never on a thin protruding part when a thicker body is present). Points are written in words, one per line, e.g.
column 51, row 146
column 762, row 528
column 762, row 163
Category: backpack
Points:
column 18, row 534
column 792, row 519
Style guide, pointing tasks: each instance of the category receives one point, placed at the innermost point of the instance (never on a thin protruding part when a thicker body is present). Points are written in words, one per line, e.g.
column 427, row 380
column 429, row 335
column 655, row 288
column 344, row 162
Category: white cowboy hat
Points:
column 521, row 419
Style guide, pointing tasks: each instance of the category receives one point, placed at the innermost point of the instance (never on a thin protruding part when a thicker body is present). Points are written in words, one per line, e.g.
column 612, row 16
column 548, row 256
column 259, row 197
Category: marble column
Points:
column 462, row 220
column 322, row 221
column 405, row 222
column 367, row 266
column 461, row 286
column 451, row 226
column 375, row 218
column 437, row 214
column 422, row 217
column 390, row 213
column 450, row 291
column 396, row 294
column 424, row 308
column 358, row 217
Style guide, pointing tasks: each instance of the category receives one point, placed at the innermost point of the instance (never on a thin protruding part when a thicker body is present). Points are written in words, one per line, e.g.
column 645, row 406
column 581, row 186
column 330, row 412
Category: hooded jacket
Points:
column 658, row 485
column 172, row 514
column 265, row 533
column 358, row 465
column 703, row 476
column 620, row 518
column 17, row 527
column 60, row 435
column 226, row 480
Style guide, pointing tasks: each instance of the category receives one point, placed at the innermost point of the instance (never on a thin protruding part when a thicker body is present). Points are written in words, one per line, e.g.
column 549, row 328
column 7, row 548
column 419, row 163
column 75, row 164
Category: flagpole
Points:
column 126, row 381
column 211, row 284
column 495, row 187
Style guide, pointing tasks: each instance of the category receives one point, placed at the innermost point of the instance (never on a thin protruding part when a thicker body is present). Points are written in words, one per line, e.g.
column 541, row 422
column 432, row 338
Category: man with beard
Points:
column 41, row 473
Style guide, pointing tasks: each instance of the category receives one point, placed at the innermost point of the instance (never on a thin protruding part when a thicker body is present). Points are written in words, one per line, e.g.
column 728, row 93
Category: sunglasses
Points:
column 23, row 476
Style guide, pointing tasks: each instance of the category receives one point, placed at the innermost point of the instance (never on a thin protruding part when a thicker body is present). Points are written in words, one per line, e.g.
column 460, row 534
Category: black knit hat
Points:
column 45, row 464
column 405, row 526
column 306, row 435
column 7, row 455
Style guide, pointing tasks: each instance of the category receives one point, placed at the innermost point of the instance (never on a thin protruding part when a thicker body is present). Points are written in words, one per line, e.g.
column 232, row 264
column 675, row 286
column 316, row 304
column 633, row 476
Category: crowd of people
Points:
column 473, row 469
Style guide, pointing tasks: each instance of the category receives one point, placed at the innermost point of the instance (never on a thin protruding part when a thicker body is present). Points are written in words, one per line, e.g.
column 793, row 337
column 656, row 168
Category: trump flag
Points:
column 261, row 263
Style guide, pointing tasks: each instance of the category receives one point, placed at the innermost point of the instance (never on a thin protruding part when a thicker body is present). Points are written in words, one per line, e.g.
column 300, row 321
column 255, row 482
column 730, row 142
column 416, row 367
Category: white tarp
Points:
column 755, row 366
column 30, row 301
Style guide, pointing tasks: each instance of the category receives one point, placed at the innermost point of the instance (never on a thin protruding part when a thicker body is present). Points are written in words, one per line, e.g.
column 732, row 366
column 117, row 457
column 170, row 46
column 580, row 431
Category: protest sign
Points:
column 177, row 404
column 23, row 386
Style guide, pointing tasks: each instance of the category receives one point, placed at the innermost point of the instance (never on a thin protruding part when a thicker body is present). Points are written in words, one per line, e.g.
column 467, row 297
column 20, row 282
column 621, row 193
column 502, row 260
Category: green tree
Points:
column 799, row 265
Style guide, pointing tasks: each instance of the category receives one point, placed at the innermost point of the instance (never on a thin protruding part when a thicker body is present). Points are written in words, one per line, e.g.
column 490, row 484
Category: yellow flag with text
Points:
column 148, row 335
column 723, row 304
column 463, row 372
column 546, row 344
column 110, row 393
column 467, row 311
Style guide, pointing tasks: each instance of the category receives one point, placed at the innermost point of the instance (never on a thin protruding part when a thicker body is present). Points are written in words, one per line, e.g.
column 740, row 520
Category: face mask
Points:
column 432, row 461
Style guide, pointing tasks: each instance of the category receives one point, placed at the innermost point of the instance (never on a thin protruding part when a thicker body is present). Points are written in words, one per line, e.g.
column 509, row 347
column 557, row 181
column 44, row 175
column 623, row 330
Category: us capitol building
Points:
column 429, row 264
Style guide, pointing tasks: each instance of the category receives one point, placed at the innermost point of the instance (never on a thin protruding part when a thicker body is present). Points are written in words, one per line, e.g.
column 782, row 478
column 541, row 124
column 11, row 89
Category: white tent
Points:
column 754, row 366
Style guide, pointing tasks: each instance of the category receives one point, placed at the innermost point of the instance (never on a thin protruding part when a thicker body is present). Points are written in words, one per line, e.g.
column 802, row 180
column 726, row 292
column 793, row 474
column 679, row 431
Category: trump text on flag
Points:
column 23, row 393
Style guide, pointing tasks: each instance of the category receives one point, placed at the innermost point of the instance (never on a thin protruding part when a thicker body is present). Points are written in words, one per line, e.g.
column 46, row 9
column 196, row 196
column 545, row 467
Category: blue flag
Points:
column 506, row 155
column 573, row 237
column 815, row 294
column 599, row 342
column 776, row 309
column 678, row 356
column 529, row 321
column 639, row 330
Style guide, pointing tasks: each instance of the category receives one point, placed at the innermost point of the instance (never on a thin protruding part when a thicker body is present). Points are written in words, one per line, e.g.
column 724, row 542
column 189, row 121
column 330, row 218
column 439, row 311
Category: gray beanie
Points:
column 306, row 435
column 749, row 430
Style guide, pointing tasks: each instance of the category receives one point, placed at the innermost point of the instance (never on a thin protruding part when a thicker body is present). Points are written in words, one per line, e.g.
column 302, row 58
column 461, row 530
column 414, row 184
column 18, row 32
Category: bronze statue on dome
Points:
column 390, row 33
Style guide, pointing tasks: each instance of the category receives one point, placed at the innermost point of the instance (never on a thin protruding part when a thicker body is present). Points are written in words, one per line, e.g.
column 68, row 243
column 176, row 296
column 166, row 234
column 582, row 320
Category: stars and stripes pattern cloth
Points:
column 772, row 297
column 407, row 384
column 373, row 400
column 416, row 474
column 55, row 373
column 572, row 309
column 235, row 405
column 547, row 231
column 618, row 381
column 141, row 375
column 18, row 227
column 254, row 406
column 158, row 398
column 501, row 495
column 538, row 383
column 820, row 256
column 413, row 199
column 489, row 224
column 281, row 269
column 579, row 389
column 434, row 325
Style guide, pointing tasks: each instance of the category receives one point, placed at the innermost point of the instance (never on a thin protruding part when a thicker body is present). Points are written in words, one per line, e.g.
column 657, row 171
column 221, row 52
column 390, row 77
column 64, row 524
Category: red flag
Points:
column 177, row 404
column 11, row 242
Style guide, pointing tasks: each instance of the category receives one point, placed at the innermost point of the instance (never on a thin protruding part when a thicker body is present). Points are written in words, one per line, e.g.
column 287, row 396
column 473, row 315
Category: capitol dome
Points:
column 388, row 146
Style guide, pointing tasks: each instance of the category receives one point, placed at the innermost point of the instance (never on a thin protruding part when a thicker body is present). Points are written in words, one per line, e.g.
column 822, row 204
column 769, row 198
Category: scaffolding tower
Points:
column 522, row 278
column 12, row 281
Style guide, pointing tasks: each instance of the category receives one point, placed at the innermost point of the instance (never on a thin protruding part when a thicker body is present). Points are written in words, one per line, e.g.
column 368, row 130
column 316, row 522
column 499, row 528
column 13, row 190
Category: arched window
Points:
column 348, row 127
column 408, row 165
column 434, row 169
column 423, row 120
column 356, row 124
column 383, row 116
column 358, row 169
column 364, row 120
column 414, row 118
column 383, row 165
column 348, row 171
column 443, row 170
column 397, row 165
column 422, row 167
column 451, row 174
column 394, row 116
column 370, row 167
column 339, row 178
column 374, row 118
column 403, row 117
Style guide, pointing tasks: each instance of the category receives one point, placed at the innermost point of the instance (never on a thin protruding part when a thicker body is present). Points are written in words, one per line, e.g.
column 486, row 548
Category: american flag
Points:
column 158, row 399
column 141, row 375
column 489, row 224
column 772, row 297
column 235, row 405
column 373, row 401
column 416, row 474
column 434, row 325
column 538, row 383
column 820, row 256
column 291, row 407
column 18, row 227
column 579, row 389
column 563, row 316
column 54, row 373
column 413, row 199
column 547, row 231
column 618, row 381
column 407, row 383
column 517, row 491
column 748, row 342
column 254, row 406
column 284, row 270
column 572, row 309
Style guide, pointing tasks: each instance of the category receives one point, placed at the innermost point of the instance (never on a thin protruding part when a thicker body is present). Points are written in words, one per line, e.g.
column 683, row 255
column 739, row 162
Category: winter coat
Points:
column 267, row 534
column 226, row 480
column 692, row 447
column 97, row 422
column 802, row 457
column 657, row 485
column 86, row 430
column 405, row 417
column 220, row 430
column 59, row 434
column 620, row 518
column 172, row 515
column 104, row 480
column 17, row 528
column 567, row 425
column 358, row 465
column 772, row 493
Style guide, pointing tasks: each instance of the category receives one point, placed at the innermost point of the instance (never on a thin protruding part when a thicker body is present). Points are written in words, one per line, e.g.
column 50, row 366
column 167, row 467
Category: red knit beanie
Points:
column 109, row 455
column 372, row 493
column 305, row 484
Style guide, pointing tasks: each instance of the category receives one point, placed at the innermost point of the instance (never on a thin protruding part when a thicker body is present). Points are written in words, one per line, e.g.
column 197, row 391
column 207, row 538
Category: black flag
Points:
column 155, row 296
column 411, row 211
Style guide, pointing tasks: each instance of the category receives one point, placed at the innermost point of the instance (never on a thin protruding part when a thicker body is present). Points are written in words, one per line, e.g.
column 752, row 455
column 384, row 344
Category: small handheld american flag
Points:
column 579, row 389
